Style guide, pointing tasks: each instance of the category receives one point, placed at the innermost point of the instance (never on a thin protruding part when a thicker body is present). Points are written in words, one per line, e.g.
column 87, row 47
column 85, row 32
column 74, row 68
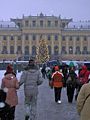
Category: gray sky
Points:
column 76, row 9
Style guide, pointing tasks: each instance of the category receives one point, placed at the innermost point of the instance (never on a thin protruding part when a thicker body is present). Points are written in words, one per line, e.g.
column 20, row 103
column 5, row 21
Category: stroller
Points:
column 4, row 107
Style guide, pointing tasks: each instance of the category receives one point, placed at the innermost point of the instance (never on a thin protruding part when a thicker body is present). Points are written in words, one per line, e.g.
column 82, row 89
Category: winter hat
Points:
column 84, row 67
column 9, row 69
column 56, row 68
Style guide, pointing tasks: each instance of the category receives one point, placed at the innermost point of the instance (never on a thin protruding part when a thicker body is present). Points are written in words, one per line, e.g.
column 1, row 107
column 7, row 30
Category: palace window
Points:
column 56, row 23
column 26, row 37
column 70, row 38
column 56, row 37
column 4, row 37
column 26, row 50
column 49, row 23
column 63, row 38
column 11, row 49
column 41, row 23
column 78, row 50
column 70, row 50
column 49, row 49
column 19, row 24
column 77, row 38
column 26, row 23
column 33, row 50
column 34, row 23
column 12, row 38
column 85, row 50
column 56, row 50
column 4, row 51
column 63, row 25
column 49, row 37
column 63, row 50
column 19, row 50
column 85, row 38
column 19, row 37
column 33, row 37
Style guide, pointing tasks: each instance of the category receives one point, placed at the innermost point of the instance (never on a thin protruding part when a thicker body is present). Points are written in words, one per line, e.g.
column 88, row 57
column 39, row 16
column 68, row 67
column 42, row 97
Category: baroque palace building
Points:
column 66, row 39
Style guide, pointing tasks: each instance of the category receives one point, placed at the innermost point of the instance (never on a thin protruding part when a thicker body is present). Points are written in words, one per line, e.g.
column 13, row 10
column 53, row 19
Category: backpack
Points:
column 71, row 81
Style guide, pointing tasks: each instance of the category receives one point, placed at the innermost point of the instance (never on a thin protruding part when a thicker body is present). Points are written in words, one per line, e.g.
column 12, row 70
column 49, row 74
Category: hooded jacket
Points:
column 84, row 73
column 10, row 83
column 31, row 77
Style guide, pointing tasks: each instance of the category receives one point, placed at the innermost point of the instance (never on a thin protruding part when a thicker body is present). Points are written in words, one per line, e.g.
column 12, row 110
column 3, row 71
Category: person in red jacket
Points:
column 57, row 77
column 83, row 77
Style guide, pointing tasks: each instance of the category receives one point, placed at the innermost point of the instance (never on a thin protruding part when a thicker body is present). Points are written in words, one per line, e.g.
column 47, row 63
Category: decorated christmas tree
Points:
column 42, row 51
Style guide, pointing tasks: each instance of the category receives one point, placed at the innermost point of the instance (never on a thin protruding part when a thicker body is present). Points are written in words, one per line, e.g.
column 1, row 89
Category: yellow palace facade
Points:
column 66, row 39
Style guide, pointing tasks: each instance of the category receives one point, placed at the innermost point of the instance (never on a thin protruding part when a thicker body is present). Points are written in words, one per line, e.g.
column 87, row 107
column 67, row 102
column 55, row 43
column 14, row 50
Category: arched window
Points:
column 19, row 50
column 49, row 49
column 49, row 37
column 56, row 50
column 77, row 50
column 33, row 50
column 11, row 49
column 26, row 37
column 70, row 50
column 85, row 50
column 26, row 50
column 63, row 50
column 4, row 51
column 56, row 37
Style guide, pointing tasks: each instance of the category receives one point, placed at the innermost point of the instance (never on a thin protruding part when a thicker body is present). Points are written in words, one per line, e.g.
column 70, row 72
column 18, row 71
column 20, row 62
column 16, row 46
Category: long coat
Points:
column 10, row 82
column 31, row 78
column 84, row 110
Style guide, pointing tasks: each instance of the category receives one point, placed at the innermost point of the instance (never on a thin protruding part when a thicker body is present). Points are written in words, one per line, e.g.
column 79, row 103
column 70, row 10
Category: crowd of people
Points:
column 31, row 78
column 67, row 77
column 58, row 77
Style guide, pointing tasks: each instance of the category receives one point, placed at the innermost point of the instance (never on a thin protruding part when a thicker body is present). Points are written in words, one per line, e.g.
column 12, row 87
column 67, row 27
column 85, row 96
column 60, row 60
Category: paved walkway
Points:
column 47, row 109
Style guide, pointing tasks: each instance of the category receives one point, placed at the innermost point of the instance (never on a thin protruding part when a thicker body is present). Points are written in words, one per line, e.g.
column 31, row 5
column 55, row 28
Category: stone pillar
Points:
column 67, row 45
column 15, row 46
column 30, row 44
column 52, row 44
column 8, row 44
column 23, row 44
column 0, row 44
column 81, row 44
column 59, row 39
column 74, row 45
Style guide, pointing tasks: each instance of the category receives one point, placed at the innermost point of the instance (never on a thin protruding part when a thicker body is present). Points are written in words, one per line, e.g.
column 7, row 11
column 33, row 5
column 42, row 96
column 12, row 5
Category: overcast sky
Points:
column 76, row 9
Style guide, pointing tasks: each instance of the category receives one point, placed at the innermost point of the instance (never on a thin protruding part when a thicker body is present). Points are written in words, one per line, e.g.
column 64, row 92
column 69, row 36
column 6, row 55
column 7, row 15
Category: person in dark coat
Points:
column 71, row 84
column 43, row 71
column 4, row 107
column 65, row 74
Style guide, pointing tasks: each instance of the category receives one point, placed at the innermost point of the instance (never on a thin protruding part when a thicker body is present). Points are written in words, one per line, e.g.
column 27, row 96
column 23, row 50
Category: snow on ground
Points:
column 2, row 74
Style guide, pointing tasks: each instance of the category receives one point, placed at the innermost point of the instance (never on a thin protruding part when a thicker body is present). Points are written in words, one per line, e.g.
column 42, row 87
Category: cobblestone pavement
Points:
column 47, row 109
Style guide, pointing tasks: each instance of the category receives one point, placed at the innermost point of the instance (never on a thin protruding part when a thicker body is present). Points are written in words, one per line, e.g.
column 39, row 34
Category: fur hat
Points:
column 9, row 69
